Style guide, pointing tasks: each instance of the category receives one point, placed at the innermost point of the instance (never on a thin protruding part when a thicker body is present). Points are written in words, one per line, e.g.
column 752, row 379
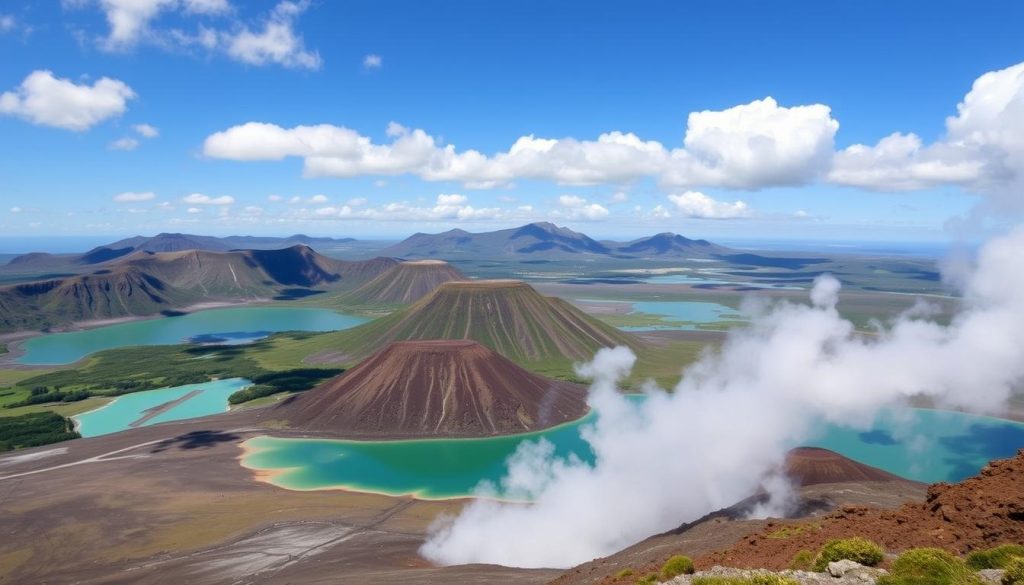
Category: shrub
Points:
column 720, row 581
column 772, row 579
column 857, row 549
column 1014, row 574
column 677, row 565
column 802, row 561
column 994, row 558
column 627, row 572
column 929, row 566
column 648, row 580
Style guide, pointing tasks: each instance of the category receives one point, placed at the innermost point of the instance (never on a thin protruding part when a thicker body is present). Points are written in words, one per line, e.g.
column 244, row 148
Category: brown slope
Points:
column 435, row 388
column 508, row 316
column 406, row 283
column 812, row 465
column 979, row 512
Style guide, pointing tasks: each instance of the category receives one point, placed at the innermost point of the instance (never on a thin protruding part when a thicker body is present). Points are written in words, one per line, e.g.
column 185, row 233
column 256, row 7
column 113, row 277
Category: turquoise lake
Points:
column 919, row 444
column 206, row 398
column 65, row 348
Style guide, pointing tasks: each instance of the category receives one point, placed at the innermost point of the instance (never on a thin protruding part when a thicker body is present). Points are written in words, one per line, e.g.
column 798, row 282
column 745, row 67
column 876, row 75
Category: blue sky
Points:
column 475, row 77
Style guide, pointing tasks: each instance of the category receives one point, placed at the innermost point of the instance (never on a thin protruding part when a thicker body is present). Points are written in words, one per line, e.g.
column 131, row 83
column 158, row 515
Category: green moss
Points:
column 1014, row 574
column 677, row 565
column 994, row 558
column 929, row 566
column 857, row 549
column 802, row 561
column 651, row 579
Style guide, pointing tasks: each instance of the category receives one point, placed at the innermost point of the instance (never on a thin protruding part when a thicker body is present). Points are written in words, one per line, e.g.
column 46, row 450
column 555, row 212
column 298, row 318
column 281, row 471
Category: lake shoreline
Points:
column 15, row 339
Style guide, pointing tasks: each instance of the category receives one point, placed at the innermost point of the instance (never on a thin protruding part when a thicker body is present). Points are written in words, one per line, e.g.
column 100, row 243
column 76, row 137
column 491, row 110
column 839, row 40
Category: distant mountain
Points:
column 146, row 283
column 545, row 240
column 405, row 283
column 669, row 244
column 165, row 242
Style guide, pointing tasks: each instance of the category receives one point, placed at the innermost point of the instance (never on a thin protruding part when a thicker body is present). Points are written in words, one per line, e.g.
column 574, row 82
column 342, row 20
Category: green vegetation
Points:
column 677, row 565
column 651, row 579
column 857, row 549
column 802, row 561
column 296, row 380
column 627, row 572
column 994, row 558
column 32, row 430
column 791, row 531
column 756, row 579
column 1014, row 574
column 929, row 566
column 3, row 348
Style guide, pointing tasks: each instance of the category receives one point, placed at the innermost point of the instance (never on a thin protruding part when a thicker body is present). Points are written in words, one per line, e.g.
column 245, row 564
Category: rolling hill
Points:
column 405, row 283
column 434, row 388
column 508, row 316
column 147, row 283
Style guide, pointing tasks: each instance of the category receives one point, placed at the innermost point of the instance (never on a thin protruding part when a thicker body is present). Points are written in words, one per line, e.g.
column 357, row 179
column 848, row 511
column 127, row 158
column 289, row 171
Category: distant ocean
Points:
column 53, row 245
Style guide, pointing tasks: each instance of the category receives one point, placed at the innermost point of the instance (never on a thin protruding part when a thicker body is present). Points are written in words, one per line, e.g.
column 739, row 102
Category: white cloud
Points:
column 134, row 197
column 983, row 148
column 146, row 130
column 620, row 197
column 252, row 210
column 357, row 201
column 193, row 210
column 16, row 210
column 200, row 199
column 318, row 199
column 125, row 143
column 578, row 208
column 129, row 20
column 274, row 198
column 756, row 145
column 50, row 101
column 7, row 23
column 447, row 207
column 372, row 62
column 277, row 42
column 698, row 205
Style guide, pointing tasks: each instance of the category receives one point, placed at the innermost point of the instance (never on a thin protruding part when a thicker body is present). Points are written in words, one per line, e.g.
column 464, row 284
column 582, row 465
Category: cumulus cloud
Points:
column 129, row 20
column 446, row 207
column 7, row 23
column 16, row 209
column 578, row 208
column 134, row 197
column 698, row 205
column 200, row 199
column 146, row 130
column 372, row 61
column 51, row 101
column 750, row 146
column 276, row 42
column 126, row 143
column 734, row 414
column 982, row 150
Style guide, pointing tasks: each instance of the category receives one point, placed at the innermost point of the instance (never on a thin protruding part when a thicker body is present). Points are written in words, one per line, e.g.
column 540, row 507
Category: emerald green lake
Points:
column 925, row 445
column 199, row 400
column 65, row 348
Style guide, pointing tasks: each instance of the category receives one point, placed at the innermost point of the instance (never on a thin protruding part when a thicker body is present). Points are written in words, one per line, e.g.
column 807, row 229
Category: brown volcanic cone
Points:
column 979, row 512
column 812, row 465
column 435, row 388
column 407, row 282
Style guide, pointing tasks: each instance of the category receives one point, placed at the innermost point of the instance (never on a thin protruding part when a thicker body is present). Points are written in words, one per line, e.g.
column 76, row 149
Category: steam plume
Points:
column 734, row 415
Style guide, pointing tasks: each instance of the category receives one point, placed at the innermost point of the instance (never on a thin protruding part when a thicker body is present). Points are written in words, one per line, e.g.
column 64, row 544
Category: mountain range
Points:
column 147, row 283
column 165, row 242
column 546, row 240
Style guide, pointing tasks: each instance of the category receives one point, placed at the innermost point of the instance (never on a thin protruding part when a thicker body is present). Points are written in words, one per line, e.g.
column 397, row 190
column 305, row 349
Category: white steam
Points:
column 733, row 416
